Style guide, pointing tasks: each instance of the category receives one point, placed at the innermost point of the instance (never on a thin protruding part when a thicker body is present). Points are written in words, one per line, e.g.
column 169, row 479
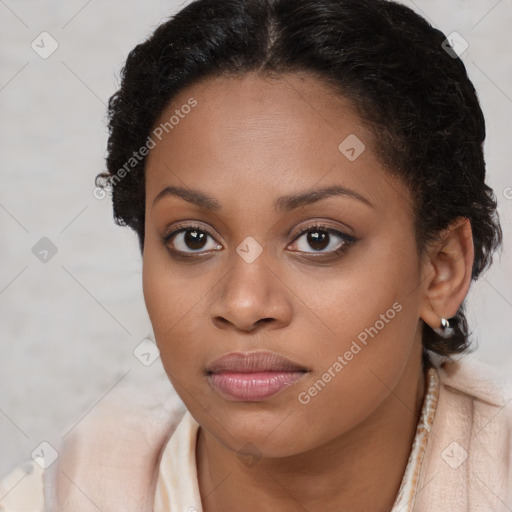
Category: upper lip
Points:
column 247, row 362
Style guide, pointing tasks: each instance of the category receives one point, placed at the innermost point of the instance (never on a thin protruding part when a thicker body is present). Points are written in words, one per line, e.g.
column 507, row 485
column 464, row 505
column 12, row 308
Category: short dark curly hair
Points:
column 395, row 68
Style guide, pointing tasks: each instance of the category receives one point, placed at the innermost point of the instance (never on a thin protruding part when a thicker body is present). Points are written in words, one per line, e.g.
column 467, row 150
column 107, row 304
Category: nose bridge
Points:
column 249, row 272
column 250, row 291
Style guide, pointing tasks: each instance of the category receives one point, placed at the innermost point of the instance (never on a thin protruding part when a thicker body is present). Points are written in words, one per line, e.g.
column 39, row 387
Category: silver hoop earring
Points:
column 445, row 331
column 444, row 323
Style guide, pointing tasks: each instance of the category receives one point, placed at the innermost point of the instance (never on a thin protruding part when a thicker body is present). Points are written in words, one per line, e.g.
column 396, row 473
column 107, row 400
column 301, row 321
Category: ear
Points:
column 447, row 272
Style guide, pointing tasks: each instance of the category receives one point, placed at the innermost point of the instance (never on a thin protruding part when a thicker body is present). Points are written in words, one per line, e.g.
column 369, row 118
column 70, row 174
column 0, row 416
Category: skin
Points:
column 249, row 141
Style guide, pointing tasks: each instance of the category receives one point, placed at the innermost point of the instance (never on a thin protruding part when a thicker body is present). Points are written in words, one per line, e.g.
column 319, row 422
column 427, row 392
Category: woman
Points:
column 307, row 182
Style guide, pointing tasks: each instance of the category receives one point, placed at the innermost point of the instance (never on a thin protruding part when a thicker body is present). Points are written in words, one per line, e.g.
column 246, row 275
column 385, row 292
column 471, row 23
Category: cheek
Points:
column 174, row 302
column 372, row 315
column 374, row 289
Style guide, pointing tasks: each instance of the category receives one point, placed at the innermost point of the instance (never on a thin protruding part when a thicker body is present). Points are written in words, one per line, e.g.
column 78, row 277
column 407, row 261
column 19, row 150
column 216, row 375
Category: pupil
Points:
column 195, row 239
column 318, row 238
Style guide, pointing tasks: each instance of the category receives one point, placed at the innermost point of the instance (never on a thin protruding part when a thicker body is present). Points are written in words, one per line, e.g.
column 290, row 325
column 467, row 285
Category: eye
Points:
column 190, row 239
column 323, row 240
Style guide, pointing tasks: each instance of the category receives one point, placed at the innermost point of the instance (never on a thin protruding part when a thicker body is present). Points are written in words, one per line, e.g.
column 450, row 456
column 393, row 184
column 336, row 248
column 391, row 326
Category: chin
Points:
column 265, row 433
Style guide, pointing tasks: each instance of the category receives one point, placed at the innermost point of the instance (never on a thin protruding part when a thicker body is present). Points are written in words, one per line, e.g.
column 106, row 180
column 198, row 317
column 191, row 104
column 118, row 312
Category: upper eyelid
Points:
column 185, row 227
column 316, row 225
column 321, row 227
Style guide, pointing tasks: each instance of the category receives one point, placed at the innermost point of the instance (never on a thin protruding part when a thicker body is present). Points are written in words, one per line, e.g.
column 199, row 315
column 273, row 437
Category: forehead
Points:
column 254, row 133
column 240, row 107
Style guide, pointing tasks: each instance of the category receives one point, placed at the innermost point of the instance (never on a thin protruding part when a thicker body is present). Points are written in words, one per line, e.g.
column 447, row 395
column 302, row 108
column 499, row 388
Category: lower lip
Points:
column 252, row 387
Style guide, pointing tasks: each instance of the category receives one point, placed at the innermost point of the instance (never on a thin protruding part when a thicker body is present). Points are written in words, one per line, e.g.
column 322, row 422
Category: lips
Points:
column 253, row 362
column 252, row 376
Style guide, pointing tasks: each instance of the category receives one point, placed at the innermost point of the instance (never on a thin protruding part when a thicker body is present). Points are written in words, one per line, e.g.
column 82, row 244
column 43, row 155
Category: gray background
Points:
column 68, row 327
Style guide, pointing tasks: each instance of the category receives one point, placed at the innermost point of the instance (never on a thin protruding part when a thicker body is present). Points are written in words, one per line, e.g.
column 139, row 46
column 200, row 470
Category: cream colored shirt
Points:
column 143, row 459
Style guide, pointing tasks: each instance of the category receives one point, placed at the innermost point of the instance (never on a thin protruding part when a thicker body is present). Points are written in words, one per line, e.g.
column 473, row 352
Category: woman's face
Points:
column 316, row 331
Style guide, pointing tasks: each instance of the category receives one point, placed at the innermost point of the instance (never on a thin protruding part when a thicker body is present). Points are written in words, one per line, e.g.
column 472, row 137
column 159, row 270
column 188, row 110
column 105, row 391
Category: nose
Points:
column 250, row 296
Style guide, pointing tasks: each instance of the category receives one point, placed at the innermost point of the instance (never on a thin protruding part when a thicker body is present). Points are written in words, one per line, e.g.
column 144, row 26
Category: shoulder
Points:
column 474, row 417
column 130, row 425
column 22, row 489
column 485, row 385
column 467, row 460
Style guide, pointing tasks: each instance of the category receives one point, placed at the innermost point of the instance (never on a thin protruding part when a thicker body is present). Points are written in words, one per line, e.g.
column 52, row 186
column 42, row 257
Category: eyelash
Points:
column 347, row 240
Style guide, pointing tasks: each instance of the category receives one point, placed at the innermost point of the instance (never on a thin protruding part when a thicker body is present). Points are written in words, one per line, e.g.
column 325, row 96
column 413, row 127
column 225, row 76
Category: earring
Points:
column 445, row 331
column 444, row 323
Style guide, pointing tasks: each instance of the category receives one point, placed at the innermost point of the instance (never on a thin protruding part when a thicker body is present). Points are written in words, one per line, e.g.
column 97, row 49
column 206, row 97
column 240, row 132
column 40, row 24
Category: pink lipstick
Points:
column 252, row 376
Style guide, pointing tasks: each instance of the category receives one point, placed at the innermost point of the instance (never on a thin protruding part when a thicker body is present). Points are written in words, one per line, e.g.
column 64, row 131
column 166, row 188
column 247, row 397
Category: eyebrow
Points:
column 283, row 204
